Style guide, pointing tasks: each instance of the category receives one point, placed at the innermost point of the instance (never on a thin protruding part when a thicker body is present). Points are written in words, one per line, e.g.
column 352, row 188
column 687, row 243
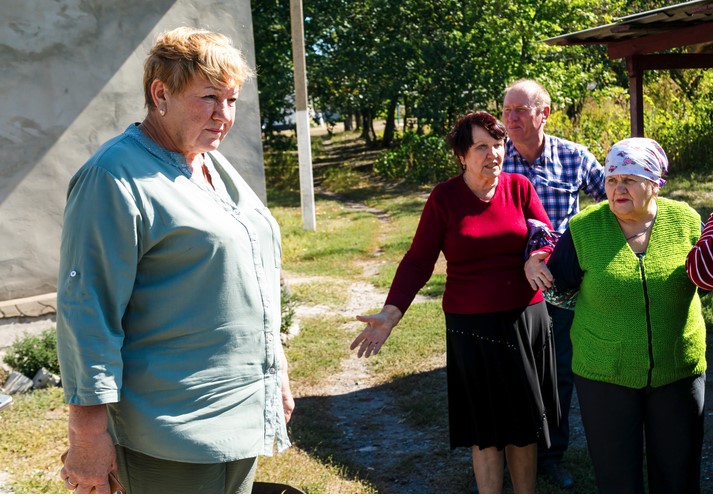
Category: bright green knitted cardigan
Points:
column 612, row 339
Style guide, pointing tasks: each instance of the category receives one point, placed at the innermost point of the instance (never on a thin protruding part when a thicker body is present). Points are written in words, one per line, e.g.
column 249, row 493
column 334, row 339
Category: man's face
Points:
column 523, row 121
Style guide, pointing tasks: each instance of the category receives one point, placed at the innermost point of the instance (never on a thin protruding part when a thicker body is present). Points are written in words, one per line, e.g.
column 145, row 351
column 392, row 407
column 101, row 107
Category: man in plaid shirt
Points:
column 558, row 169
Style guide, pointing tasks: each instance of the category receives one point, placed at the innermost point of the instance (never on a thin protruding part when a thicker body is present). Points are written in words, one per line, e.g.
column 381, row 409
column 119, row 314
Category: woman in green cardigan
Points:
column 638, row 334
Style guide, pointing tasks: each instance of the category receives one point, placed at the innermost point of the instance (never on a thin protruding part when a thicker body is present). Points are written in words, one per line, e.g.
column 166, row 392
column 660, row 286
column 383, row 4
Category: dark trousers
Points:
column 668, row 420
column 559, row 434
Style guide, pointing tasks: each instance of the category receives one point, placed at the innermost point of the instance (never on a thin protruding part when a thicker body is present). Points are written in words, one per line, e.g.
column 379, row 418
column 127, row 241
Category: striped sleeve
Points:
column 699, row 262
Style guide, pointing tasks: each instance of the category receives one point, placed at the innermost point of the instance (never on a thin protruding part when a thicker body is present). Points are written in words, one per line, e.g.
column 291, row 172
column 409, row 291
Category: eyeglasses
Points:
column 519, row 110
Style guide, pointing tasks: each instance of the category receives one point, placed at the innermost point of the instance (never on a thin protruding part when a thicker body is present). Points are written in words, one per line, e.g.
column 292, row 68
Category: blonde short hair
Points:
column 183, row 53
column 534, row 89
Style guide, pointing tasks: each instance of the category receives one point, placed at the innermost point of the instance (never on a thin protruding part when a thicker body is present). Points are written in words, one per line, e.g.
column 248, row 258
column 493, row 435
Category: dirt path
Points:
column 374, row 434
column 382, row 443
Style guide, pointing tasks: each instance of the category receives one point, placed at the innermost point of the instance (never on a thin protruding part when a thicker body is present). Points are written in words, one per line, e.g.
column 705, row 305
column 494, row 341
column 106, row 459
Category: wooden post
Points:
column 636, row 95
column 304, row 151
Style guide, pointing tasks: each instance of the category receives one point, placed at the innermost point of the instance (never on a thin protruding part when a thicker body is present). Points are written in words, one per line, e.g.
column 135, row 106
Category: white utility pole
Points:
column 304, row 151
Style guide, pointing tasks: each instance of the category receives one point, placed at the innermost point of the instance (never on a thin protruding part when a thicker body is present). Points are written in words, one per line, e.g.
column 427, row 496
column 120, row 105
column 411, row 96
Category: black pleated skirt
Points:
column 502, row 377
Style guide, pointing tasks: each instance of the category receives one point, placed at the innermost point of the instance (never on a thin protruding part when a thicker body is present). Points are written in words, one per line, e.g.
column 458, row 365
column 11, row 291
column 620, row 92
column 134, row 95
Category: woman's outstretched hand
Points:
column 378, row 328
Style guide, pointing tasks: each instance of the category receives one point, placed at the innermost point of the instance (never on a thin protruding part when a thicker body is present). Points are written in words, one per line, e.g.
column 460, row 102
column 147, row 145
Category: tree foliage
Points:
column 437, row 59
column 273, row 53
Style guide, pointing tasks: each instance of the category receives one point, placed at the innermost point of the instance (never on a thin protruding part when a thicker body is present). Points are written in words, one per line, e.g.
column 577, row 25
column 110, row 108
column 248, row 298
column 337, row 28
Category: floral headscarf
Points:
column 639, row 157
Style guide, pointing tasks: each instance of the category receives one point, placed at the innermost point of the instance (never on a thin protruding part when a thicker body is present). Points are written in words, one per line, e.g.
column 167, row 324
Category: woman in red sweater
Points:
column 500, row 355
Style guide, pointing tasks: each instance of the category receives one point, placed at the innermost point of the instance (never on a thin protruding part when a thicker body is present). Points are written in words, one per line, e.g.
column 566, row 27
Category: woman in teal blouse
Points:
column 638, row 335
column 169, row 293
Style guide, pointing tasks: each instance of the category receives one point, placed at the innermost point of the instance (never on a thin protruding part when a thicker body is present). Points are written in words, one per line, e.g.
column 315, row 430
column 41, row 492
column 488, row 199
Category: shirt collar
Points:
column 175, row 159
column 544, row 158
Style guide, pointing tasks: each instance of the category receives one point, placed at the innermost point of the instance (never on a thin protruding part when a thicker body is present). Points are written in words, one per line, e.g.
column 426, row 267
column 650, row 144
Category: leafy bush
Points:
column 340, row 180
column 603, row 121
column 282, row 169
column 680, row 123
column 418, row 159
column 288, row 305
column 281, row 142
column 31, row 353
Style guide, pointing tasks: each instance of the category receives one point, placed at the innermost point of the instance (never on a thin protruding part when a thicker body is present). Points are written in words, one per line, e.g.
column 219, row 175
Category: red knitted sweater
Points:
column 483, row 243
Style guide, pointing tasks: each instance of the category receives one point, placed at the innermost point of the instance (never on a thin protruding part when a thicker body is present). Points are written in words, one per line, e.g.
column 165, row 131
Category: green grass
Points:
column 413, row 343
column 341, row 237
column 318, row 349
column 313, row 470
column 696, row 189
column 317, row 293
column 33, row 434
column 311, row 473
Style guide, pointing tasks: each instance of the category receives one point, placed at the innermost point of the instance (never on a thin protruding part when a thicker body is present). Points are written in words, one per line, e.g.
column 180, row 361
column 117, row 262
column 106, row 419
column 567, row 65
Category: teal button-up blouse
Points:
column 169, row 305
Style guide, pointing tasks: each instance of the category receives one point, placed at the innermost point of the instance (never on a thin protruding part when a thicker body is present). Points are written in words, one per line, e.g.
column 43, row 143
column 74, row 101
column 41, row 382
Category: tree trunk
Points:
column 390, row 126
column 366, row 127
column 348, row 122
column 405, row 116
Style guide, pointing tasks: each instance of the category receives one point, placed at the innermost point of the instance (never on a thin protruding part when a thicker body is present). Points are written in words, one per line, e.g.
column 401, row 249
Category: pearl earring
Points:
column 162, row 112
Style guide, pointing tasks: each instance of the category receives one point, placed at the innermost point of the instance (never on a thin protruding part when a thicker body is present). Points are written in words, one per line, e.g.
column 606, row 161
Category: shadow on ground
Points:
column 394, row 435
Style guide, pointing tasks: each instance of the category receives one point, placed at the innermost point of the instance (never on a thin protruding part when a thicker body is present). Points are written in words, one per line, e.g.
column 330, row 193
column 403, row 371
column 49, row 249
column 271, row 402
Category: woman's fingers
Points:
column 368, row 341
column 541, row 282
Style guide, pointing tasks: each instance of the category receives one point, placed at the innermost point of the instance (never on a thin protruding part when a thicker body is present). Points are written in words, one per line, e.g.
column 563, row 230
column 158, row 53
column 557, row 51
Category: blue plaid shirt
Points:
column 563, row 169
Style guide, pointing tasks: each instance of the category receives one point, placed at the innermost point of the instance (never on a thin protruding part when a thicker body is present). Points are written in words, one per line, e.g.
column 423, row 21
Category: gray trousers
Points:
column 142, row 474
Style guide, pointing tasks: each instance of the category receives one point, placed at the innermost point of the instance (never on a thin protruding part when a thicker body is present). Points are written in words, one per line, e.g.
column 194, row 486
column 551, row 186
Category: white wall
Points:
column 71, row 78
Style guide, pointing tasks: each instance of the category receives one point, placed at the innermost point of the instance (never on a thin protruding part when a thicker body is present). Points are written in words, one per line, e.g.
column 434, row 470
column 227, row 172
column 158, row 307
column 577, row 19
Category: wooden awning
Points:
column 638, row 37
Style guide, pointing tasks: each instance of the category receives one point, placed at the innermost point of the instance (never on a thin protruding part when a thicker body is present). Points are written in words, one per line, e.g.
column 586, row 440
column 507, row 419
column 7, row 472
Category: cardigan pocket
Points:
column 597, row 359
column 689, row 350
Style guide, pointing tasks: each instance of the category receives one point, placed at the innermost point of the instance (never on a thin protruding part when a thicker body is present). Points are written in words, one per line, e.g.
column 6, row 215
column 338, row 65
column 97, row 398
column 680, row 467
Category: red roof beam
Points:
column 701, row 33
column 674, row 61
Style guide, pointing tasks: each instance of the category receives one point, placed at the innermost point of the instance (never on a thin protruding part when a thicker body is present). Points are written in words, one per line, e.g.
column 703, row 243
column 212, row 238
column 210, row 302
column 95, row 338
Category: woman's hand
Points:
column 288, row 401
column 537, row 272
column 378, row 328
column 92, row 455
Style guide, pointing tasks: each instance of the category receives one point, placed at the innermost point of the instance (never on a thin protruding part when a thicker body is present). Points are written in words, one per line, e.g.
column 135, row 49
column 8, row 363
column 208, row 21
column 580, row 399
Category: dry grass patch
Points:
column 33, row 435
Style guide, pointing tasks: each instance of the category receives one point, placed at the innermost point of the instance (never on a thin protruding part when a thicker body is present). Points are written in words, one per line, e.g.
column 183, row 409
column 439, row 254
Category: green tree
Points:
column 440, row 58
column 273, row 53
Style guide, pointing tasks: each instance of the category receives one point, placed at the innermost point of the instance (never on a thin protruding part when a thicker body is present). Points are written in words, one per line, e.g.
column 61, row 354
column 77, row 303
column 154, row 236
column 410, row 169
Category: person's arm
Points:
column 535, row 263
column 99, row 254
column 98, row 259
column 416, row 267
column 414, row 271
column 288, row 401
column 533, row 208
column 91, row 455
column 564, row 265
column 699, row 262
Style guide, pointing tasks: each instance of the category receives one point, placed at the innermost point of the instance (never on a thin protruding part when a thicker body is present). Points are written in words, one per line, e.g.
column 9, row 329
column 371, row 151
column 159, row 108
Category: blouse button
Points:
column 72, row 274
